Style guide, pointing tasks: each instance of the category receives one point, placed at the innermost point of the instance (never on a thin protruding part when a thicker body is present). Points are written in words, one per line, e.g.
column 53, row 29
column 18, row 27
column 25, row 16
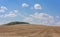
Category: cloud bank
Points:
column 42, row 18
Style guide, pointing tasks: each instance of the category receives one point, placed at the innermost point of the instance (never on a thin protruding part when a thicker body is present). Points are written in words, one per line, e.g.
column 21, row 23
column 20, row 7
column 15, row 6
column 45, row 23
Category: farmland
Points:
column 30, row 30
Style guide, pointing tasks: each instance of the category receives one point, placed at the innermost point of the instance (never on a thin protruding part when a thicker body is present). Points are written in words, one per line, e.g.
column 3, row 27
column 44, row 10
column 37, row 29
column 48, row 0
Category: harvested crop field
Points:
column 29, row 31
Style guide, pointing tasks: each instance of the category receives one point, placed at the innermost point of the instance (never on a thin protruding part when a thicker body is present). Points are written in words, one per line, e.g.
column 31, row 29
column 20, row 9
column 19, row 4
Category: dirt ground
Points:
column 29, row 31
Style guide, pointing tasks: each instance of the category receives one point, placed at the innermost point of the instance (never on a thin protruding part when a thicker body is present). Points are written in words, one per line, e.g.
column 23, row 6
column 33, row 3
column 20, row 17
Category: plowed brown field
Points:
column 29, row 31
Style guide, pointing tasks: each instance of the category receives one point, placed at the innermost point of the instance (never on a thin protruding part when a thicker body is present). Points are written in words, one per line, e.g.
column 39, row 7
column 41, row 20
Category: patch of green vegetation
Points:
column 14, row 23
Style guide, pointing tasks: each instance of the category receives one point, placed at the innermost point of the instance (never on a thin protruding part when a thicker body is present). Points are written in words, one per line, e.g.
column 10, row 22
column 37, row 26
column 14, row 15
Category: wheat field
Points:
column 29, row 31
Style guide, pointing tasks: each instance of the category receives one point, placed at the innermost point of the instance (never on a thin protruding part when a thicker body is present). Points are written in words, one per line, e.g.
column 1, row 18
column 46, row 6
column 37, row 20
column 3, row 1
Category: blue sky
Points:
column 45, row 12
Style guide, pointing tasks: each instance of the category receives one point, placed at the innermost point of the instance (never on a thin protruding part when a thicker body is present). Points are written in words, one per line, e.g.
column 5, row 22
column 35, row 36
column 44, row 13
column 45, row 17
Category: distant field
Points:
column 29, row 31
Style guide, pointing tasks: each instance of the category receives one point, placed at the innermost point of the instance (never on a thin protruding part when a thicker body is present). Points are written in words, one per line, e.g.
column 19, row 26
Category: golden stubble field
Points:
column 29, row 31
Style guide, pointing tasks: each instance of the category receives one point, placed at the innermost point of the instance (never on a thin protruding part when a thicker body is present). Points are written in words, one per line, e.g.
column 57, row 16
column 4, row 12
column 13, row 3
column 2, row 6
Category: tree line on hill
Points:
column 14, row 23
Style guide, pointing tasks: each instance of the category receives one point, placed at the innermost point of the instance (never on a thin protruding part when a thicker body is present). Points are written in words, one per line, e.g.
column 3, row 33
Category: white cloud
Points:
column 25, row 5
column 57, row 16
column 10, row 15
column 46, row 19
column 28, row 19
column 57, row 23
column 40, row 18
column 15, row 11
column 3, row 9
column 37, row 6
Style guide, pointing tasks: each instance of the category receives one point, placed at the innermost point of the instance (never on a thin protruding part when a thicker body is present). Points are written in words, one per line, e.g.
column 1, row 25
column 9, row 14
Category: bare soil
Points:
column 29, row 31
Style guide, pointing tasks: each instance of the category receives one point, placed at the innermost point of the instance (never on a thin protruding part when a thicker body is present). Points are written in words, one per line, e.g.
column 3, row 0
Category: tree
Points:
column 14, row 23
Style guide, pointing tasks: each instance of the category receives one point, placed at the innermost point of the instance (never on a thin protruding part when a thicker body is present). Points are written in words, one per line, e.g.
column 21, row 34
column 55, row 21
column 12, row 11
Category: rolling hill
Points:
column 29, row 30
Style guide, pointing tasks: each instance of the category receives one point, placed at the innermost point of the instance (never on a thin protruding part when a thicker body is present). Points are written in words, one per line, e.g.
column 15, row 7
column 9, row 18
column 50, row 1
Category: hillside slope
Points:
column 29, row 31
